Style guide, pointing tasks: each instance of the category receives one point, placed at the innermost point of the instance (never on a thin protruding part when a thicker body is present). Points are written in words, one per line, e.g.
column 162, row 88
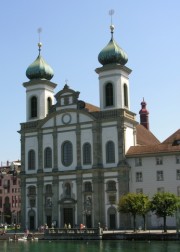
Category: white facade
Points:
column 77, row 160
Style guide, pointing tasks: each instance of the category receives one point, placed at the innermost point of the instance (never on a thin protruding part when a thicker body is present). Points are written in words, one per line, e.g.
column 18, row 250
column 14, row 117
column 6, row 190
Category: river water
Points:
column 89, row 246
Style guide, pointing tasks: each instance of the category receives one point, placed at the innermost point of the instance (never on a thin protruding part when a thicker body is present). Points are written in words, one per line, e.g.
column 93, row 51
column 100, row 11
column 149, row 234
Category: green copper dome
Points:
column 112, row 53
column 39, row 69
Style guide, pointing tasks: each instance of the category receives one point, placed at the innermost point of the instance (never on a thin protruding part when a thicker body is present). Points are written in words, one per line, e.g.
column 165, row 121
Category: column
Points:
column 78, row 144
column 97, row 145
column 55, row 199
column 79, row 183
column 55, row 151
column 98, row 198
column 40, row 152
column 40, row 201
column 23, row 202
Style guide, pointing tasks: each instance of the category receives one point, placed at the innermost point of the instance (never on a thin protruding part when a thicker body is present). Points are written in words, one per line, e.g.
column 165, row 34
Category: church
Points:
column 78, row 159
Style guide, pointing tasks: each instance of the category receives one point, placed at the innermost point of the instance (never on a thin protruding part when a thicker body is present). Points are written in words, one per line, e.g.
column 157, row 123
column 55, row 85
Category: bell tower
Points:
column 113, row 76
column 39, row 89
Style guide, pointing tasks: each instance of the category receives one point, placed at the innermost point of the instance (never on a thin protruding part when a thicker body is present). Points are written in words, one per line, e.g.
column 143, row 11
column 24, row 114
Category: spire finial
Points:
column 39, row 43
column 111, row 13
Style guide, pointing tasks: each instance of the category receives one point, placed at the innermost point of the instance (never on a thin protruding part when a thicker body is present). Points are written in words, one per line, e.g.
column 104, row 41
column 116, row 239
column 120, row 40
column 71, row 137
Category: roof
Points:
column 91, row 108
column 145, row 137
column 175, row 136
column 166, row 147
column 152, row 149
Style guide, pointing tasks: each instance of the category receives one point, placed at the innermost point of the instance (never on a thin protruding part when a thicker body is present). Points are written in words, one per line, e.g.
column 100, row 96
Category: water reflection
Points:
column 89, row 246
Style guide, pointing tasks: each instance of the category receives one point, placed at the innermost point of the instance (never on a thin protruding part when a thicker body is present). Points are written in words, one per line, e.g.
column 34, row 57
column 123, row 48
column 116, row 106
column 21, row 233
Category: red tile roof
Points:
column 144, row 136
column 91, row 107
column 173, row 137
column 166, row 147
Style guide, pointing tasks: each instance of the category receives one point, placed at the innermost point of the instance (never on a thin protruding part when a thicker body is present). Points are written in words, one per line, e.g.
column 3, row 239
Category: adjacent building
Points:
column 77, row 159
column 10, row 193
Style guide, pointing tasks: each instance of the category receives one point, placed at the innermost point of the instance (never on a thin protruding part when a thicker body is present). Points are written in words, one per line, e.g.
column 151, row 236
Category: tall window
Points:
column 31, row 160
column 47, row 157
column 33, row 107
column 111, row 186
column 31, row 190
column 49, row 104
column 110, row 152
column 160, row 176
column 48, row 189
column 87, row 153
column 125, row 95
column 138, row 162
column 159, row 161
column 67, row 153
column 178, row 191
column 177, row 159
column 160, row 189
column 139, row 190
column 67, row 190
column 109, row 94
column 178, row 174
column 87, row 187
column 139, row 177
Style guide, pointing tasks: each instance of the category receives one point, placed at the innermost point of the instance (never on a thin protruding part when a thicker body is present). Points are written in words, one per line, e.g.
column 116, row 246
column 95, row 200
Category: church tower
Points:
column 39, row 89
column 113, row 77
column 144, row 115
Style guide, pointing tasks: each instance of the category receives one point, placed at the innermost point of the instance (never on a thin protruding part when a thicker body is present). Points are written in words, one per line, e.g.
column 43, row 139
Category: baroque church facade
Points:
column 77, row 159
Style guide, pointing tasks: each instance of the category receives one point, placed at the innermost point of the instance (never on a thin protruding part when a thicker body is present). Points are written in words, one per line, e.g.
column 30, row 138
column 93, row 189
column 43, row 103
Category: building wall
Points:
column 150, row 184
column 10, row 194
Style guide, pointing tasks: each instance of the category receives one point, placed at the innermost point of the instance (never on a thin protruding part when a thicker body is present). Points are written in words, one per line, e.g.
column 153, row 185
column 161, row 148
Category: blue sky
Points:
column 73, row 33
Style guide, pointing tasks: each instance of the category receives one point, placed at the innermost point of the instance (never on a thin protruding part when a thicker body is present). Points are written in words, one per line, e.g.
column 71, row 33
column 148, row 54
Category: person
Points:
column 65, row 225
column 82, row 226
column 69, row 225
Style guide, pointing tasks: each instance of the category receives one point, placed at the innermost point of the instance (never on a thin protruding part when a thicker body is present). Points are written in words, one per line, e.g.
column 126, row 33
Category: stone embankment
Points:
column 87, row 234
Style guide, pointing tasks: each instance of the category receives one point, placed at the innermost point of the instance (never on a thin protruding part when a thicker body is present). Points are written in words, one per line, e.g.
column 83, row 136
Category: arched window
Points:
column 110, row 152
column 87, row 153
column 125, row 95
column 67, row 190
column 109, row 94
column 31, row 160
column 49, row 104
column 33, row 107
column 111, row 185
column 67, row 153
column 47, row 157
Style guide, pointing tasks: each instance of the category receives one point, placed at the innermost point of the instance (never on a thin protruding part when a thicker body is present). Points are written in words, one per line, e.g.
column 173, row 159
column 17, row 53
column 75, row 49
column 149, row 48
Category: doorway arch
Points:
column 32, row 219
column 112, row 218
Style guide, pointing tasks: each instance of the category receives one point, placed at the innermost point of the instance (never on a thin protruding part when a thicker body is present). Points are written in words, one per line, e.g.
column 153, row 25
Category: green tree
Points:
column 135, row 204
column 164, row 204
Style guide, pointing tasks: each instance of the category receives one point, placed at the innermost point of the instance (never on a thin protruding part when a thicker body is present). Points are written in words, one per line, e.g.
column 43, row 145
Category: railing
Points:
column 74, row 233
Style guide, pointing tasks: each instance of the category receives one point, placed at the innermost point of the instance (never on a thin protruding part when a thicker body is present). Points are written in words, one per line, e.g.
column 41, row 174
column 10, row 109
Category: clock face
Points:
column 66, row 118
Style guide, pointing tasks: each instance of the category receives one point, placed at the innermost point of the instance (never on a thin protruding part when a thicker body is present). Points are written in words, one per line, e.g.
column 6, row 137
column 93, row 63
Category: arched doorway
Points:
column 112, row 218
column 67, row 212
column 31, row 217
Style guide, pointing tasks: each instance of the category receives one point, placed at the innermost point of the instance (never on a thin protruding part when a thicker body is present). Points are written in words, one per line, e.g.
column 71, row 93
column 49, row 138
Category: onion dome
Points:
column 144, row 115
column 39, row 69
column 112, row 53
column 143, row 108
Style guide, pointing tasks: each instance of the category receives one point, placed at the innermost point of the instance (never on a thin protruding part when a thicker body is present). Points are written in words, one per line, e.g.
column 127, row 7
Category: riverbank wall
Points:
column 151, row 235
column 142, row 236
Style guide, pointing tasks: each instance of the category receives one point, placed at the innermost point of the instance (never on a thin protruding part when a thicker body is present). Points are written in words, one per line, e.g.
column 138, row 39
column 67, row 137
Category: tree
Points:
column 135, row 204
column 144, row 207
column 164, row 204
